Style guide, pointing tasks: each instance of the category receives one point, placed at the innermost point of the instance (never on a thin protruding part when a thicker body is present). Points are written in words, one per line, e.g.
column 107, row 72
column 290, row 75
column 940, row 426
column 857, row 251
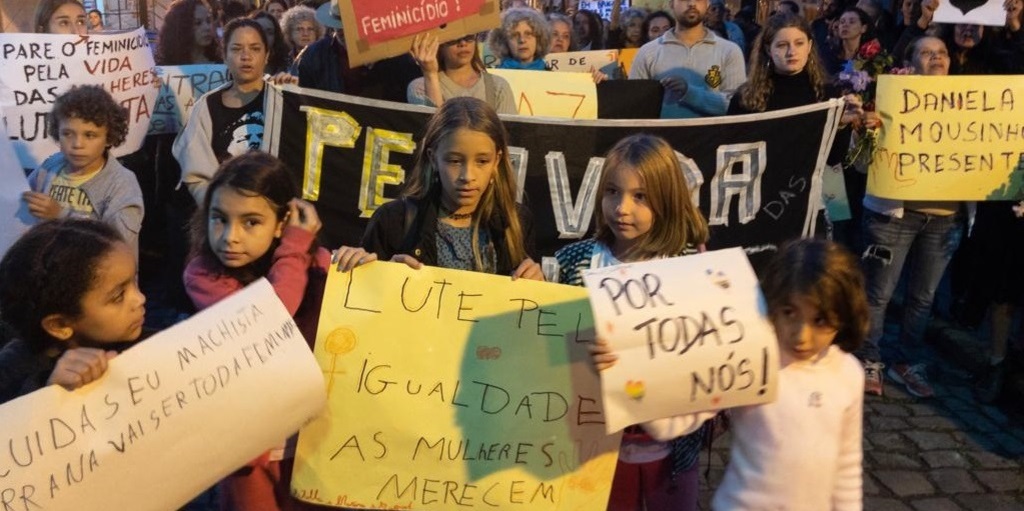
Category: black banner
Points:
column 757, row 177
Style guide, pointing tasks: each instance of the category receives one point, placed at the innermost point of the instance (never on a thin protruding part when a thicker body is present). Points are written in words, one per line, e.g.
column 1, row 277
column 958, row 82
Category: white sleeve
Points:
column 674, row 427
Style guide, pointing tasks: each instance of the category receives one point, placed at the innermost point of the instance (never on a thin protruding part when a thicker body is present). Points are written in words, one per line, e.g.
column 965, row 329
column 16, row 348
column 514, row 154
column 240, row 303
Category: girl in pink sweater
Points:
column 250, row 225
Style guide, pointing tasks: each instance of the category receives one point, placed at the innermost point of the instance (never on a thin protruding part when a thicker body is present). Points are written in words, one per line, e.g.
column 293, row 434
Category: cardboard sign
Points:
column 378, row 29
column 547, row 94
column 171, row 416
column 455, row 390
column 626, row 56
column 40, row 67
column 180, row 87
column 949, row 138
column 692, row 334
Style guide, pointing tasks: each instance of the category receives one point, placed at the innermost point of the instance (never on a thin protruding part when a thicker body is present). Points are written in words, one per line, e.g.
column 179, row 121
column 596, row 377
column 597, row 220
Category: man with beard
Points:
column 698, row 69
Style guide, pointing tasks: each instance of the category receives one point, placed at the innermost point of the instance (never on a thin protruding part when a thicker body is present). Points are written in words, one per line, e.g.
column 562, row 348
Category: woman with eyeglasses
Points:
column 455, row 69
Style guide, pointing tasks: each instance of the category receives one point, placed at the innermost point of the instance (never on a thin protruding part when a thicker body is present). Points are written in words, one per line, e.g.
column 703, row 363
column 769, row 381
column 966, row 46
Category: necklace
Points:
column 456, row 216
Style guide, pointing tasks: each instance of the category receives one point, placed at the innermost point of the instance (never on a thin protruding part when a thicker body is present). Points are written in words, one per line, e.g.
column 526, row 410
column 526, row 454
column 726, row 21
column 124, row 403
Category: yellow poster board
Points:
column 949, row 138
column 626, row 56
column 547, row 94
column 450, row 389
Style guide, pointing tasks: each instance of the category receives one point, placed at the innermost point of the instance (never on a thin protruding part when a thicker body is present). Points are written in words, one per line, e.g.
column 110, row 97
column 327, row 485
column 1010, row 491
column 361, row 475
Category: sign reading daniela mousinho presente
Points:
column 949, row 138
column 450, row 389
column 39, row 67
column 692, row 334
column 172, row 415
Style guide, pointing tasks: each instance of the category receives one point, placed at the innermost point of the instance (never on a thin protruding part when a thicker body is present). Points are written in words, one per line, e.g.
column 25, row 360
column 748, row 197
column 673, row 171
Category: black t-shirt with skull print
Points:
column 235, row 130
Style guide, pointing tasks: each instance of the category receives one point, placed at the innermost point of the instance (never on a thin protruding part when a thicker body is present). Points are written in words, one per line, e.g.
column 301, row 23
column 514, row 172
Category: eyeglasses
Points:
column 464, row 39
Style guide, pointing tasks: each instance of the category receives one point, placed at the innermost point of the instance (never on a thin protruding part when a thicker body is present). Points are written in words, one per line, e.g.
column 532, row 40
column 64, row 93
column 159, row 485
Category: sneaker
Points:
column 873, row 378
column 912, row 376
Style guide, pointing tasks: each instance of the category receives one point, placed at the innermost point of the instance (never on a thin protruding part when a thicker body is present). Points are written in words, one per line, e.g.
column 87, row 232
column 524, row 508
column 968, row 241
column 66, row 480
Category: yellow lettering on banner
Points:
column 949, row 138
column 377, row 172
column 324, row 128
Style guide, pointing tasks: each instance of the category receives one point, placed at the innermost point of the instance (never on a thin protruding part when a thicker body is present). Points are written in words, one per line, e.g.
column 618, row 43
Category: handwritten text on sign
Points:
column 949, row 138
column 40, row 67
column 180, row 87
column 690, row 332
column 544, row 94
column 383, row 20
column 455, row 389
column 170, row 417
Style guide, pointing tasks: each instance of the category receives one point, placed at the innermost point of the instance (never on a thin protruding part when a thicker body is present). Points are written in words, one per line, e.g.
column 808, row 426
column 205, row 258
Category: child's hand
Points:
column 602, row 355
column 79, row 366
column 528, row 269
column 350, row 257
column 303, row 215
column 42, row 206
column 409, row 260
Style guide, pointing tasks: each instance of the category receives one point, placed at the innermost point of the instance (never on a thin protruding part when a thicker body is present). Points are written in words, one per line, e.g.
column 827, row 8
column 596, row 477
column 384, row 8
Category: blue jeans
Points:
column 927, row 242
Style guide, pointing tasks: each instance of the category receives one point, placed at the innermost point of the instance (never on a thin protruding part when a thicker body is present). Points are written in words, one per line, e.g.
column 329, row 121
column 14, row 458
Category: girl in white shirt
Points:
column 803, row 451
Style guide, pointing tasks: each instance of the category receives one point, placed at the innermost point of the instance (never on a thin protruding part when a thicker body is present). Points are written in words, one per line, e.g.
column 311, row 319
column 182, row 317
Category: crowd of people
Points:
column 70, row 299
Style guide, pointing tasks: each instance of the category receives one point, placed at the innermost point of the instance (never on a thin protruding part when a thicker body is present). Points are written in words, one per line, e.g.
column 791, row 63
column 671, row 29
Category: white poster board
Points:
column 606, row 61
column 171, row 417
column 691, row 333
column 37, row 68
column 977, row 12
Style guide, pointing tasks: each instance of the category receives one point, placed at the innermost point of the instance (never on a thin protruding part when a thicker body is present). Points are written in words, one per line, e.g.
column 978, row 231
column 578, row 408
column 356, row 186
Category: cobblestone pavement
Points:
column 945, row 453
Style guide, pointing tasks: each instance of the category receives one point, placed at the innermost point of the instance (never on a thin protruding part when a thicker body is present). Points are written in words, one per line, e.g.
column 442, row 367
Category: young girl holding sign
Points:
column 646, row 213
column 802, row 451
column 68, row 289
column 250, row 225
column 458, row 209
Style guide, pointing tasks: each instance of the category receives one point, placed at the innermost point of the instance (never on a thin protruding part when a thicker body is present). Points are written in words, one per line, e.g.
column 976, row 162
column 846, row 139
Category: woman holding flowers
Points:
column 854, row 36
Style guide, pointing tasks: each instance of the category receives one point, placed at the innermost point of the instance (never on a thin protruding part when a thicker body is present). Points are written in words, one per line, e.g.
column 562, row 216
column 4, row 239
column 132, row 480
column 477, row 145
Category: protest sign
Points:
column 180, row 87
column 653, row 5
column 833, row 192
column 756, row 178
column 377, row 29
column 976, row 12
column 544, row 94
column 606, row 61
column 949, row 138
column 626, row 56
column 40, row 67
column 171, row 416
column 450, row 389
column 691, row 333
column 14, row 216
column 602, row 7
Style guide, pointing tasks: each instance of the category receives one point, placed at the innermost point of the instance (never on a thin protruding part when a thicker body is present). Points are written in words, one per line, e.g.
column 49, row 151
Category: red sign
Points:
column 384, row 20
